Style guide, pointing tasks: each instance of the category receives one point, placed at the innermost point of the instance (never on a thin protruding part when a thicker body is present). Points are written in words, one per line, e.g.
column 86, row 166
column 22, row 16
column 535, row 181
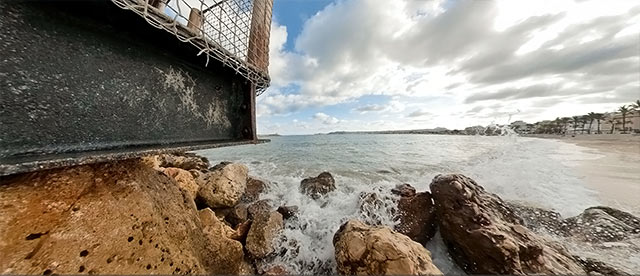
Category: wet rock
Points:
column 595, row 267
column 259, row 207
column 288, row 211
column 603, row 224
column 264, row 229
column 185, row 161
column 185, row 180
column 318, row 186
column 229, row 254
column 111, row 218
column 484, row 236
column 540, row 220
column 223, row 186
column 404, row 190
column 276, row 270
column 254, row 188
column 369, row 250
column 237, row 214
column 417, row 217
column 373, row 207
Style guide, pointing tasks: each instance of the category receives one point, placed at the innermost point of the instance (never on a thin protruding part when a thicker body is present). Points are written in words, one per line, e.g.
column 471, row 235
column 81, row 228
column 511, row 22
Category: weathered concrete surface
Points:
column 122, row 218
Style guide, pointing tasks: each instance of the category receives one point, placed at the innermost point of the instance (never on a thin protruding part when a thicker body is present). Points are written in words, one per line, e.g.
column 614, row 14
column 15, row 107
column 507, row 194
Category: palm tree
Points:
column 583, row 120
column 624, row 110
column 612, row 121
column 591, row 116
column 576, row 119
column 597, row 117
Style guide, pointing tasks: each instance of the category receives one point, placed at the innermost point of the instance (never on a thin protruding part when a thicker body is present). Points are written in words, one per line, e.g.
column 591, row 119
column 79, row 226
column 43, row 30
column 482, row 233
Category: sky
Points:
column 415, row 64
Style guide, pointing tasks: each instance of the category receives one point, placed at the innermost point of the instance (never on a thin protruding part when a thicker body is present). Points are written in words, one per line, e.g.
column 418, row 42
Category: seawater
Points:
column 534, row 171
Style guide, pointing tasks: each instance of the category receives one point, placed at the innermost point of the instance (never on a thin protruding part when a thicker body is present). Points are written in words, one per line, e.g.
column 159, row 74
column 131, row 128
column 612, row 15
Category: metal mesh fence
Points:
column 235, row 32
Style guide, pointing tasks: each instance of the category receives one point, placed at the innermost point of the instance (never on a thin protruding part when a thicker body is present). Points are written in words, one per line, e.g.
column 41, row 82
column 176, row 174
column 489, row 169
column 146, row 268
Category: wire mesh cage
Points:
column 235, row 32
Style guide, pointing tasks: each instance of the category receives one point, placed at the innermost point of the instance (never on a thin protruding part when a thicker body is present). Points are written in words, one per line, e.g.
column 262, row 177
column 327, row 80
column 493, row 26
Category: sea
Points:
column 537, row 172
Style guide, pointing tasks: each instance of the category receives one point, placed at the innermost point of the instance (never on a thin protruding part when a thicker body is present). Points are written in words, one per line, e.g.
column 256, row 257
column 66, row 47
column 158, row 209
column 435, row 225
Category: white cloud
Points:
column 453, row 57
column 326, row 119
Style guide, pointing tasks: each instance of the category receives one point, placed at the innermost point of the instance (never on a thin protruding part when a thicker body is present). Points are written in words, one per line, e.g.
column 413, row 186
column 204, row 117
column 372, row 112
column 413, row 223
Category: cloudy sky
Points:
column 406, row 64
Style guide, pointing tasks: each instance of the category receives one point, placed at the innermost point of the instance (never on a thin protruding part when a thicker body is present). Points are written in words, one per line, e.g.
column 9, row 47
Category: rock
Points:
column 247, row 268
column 110, row 218
column 417, row 217
column 368, row 250
column 185, row 180
column 264, row 228
column 540, row 220
column 318, row 186
column 229, row 254
column 185, row 161
column 254, row 188
column 237, row 214
column 259, row 207
column 372, row 207
column 276, row 270
column 603, row 224
column 484, row 236
column 241, row 231
column 223, row 186
column 404, row 190
column 595, row 267
column 288, row 211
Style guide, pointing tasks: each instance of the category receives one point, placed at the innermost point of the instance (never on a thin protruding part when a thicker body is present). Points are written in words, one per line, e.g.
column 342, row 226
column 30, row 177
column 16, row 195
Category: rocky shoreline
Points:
column 176, row 214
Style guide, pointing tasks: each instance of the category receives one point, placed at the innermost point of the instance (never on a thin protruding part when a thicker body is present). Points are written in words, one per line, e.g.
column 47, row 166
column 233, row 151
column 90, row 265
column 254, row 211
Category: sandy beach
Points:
column 615, row 175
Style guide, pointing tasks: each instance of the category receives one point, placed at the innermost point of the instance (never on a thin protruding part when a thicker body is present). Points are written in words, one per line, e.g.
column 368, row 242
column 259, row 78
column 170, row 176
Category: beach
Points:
column 615, row 175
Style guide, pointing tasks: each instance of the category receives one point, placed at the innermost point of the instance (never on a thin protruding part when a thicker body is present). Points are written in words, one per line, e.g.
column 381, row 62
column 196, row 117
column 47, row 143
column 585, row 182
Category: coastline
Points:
column 614, row 175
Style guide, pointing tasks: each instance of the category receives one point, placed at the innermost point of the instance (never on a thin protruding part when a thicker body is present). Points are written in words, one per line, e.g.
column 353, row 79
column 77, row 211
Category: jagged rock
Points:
column 229, row 254
column 223, row 186
column 185, row 161
column 368, row 250
column 404, row 190
column 276, row 270
column 264, row 228
column 484, row 236
column 603, row 224
column 595, row 267
column 540, row 220
column 288, row 211
column 417, row 217
column 247, row 268
column 318, row 186
column 185, row 180
column 254, row 188
column 259, row 207
column 236, row 214
column 241, row 232
column 111, row 218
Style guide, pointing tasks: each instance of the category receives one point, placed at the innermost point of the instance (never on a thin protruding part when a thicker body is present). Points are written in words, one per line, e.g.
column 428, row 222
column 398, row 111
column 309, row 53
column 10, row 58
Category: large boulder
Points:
column 223, row 186
column 417, row 217
column 264, row 229
column 404, row 190
column 229, row 255
column 369, row 250
column 318, row 186
column 484, row 236
column 185, row 180
column 111, row 218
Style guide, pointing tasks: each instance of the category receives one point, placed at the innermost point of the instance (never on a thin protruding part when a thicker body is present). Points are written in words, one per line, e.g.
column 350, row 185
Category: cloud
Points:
column 449, row 56
column 419, row 113
column 326, row 119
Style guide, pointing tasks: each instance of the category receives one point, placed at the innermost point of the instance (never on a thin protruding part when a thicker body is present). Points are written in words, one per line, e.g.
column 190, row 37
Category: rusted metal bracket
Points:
column 85, row 81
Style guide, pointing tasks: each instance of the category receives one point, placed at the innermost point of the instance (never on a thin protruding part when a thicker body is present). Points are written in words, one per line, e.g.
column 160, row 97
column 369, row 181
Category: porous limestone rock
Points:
column 368, row 250
column 222, row 186
column 185, row 180
column 229, row 255
column 318, row 186
column 603, row 224
column 264, row 229
column 185, row 161
column 110, row 218
column 484, row 236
